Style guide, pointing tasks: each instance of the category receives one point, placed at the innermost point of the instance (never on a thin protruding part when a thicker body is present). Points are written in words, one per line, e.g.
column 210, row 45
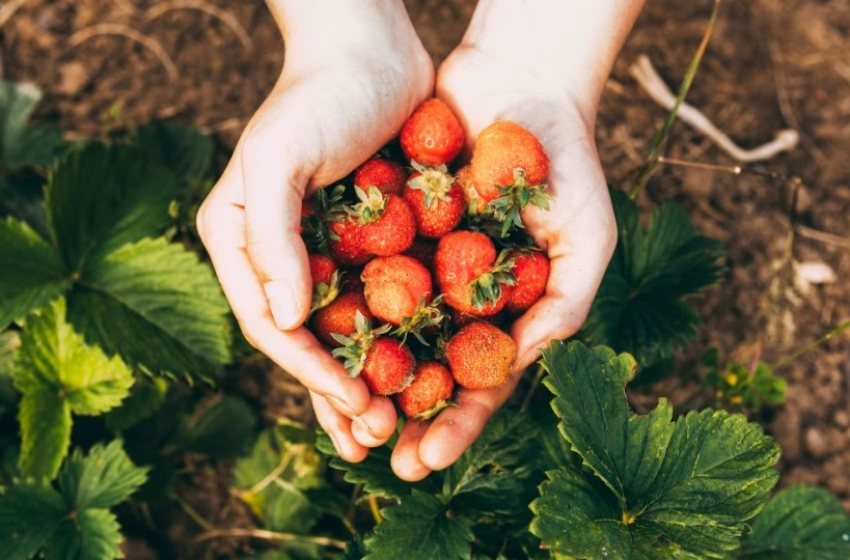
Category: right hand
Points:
column 349, row 83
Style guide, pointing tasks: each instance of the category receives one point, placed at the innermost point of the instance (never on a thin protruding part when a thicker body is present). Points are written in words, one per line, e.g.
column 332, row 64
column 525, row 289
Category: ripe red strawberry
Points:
column 475, row 204
column 471, row 277
column 429, row 393
column 325, row 281
column 481, row 356
column 436, row 200
column 385, row 364
column 395, row 286
column 508, row 169
column 432, row 135
column 339, row 317
column 387, row 223
column 532, row 273
column 387, row 176
column 345, row 244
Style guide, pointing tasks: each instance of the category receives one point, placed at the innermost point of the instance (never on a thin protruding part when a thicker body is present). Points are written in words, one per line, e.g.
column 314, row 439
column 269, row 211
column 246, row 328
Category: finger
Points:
column 456, row 428
column 405, row 460
column 296, row 351
column 338, row 428
column 275, row 180
column 375, row 426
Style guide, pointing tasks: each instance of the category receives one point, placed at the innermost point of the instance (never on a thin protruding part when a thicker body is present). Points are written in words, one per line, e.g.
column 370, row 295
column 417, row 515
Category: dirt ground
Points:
column 771, row 65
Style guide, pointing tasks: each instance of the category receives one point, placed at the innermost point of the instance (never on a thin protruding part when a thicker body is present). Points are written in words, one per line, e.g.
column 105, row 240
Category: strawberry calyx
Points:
column 426, row 316
column 434, row 182
column 324, row 294
column 514, row 198
column 356, row 345
column 371, row 206
column 487, row 288
column 324, row 209
column 435, row 410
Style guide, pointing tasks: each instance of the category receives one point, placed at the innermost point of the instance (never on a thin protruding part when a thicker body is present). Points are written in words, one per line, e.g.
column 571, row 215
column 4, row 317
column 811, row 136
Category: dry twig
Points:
column 9, row 9
column 646, row 76
column 224, row 16
column 822, row 236
column 120, row 29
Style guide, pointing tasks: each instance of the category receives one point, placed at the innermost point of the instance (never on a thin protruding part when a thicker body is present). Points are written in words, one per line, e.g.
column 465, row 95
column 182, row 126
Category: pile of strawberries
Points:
column 417, row 270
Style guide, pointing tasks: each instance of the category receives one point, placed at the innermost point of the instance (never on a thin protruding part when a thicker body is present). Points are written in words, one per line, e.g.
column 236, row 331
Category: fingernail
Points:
column 285, row 306
column 362, row 423
column 340, row 405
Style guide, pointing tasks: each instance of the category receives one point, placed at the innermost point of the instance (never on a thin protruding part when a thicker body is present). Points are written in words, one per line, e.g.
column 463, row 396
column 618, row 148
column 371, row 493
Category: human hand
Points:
column 354, row 72
column 490, row 78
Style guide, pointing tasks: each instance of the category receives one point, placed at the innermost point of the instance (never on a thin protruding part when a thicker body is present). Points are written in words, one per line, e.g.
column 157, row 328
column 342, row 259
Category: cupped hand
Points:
column 578, row 232
column 345, row 91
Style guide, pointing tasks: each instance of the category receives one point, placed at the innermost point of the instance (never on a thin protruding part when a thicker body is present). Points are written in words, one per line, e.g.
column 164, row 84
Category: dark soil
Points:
column 771, row 65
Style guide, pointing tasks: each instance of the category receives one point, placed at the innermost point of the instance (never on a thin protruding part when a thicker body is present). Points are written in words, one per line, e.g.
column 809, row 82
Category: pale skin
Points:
column 354, row 72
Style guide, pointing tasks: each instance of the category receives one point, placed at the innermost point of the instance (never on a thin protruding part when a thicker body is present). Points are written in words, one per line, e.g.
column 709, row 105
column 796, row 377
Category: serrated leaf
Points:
column 146, row 397
column 91, row 534
column 374, row 472
column 650, row 487
column 29, row 515
column 103, row 478
column 225, row 429
column 101, row 197
column 799, row 523
column 45, row 420
column 31, row 271
column 640, row 305
column 23, row 145
column 184, row 150
column 420, row 528
column 156, row 305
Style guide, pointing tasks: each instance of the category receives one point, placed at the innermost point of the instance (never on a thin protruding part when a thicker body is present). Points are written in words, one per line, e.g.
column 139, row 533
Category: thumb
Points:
column 274, row 193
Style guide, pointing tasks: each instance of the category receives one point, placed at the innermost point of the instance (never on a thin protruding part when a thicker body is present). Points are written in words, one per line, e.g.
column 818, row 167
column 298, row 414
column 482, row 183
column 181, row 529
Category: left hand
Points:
column 578, row 232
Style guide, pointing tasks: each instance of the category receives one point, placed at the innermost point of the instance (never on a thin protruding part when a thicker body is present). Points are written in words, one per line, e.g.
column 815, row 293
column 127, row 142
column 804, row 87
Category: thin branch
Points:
column 120, row 29
column 811, row 345
column 9, row 9
column 224, row 16
column 647, row 77
column 268, row 536
column 822, row 236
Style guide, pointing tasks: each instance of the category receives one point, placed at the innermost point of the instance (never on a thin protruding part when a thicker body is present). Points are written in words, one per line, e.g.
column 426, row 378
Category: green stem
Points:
column 646, row 171
column 811, row 345
column 538, row 377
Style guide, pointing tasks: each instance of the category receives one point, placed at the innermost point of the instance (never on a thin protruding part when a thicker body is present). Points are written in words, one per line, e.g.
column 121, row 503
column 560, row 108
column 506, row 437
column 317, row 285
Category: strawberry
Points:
column 385, row 175
column 475, row 204
column 325, row 281
column 345, row 244
column 429, row 393
column 432, row 135
column 508, row 169
column 471, row 277
column 481, row 356
column 387, row 223
column 531, row 269
column 423, row 251
column 394, row 286
column 339, row 316
column 385, row 364
column 436, row 200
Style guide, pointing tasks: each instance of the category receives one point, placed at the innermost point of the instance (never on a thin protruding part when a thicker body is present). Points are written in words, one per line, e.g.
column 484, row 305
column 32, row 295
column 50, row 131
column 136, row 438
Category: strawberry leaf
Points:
column 157, row 306
column 21, row 144
column 58, row 373
column 799, row 523
column 422, row 519
column 31, row 271
column 183, row 150
column 102, row 479
column 649, row 487
column 91, row 533
column 224, row 430
column 641, row 305
column 29, row 515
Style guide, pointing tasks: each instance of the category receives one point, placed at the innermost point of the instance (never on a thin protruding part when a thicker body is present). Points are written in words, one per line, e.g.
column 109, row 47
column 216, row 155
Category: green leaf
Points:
column 58, row 373
column 374, row 472
column 184, row 150
column 29, row 515
column 102, row 479
column 420, row 528
column 101, row 197
column 799, row 523
column 157, row 306
column 650, row 487
column 23, row 145
column 225, row 429
column 91, row 534
column 31, row 272
column 147, row 396
column 640, row 307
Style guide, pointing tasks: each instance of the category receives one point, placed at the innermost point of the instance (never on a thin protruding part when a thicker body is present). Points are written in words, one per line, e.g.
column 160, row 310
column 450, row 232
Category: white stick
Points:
column 648, row 79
